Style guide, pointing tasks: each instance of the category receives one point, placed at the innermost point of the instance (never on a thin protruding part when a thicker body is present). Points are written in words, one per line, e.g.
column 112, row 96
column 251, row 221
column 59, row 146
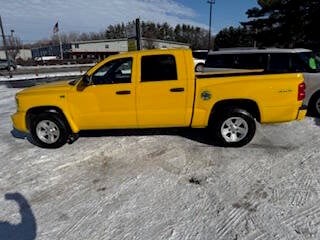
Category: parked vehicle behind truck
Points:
column 199, row 59
column 156, row 89
column 274, row 60
column 8, row 65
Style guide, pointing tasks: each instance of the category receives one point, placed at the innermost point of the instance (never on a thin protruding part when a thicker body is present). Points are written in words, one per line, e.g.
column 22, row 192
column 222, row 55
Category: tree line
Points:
column 273, row 23
column 276, row 23
column 196, row 37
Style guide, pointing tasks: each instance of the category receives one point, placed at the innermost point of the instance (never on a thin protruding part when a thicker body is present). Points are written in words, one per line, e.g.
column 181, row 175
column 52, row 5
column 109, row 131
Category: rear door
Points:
column 162, row 91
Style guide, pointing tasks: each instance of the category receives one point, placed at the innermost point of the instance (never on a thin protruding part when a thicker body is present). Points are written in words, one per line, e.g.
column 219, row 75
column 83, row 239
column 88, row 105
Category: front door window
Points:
column 114, row 72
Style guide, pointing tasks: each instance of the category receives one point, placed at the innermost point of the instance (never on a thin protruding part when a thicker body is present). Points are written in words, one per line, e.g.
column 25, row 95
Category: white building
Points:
column 24, row 54
column 103, row 48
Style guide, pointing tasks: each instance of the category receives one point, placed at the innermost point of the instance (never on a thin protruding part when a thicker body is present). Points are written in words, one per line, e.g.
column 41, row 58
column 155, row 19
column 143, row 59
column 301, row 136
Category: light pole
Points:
column 11, row 40
column 211, row 2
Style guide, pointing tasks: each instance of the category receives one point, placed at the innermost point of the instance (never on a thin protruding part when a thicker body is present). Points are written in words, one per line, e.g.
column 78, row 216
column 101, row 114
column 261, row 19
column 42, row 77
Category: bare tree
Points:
column 14, row 46
column 148, row 43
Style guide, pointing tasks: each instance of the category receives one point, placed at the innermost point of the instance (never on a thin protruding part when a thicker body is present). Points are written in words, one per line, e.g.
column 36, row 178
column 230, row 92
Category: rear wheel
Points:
column 49, row 130
column 234, row 128
column 314, row 105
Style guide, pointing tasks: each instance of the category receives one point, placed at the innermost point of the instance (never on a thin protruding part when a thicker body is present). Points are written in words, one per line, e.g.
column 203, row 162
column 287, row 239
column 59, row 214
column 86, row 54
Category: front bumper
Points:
column 302, row 112
column 19, row 121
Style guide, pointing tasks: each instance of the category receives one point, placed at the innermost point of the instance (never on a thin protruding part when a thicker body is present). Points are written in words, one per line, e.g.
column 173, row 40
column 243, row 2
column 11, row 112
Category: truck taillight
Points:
column 301, row 91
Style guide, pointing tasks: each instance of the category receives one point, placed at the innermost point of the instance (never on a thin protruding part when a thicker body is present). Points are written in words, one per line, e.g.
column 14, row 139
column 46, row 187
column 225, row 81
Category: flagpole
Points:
column 61, row 50
column 57, row 31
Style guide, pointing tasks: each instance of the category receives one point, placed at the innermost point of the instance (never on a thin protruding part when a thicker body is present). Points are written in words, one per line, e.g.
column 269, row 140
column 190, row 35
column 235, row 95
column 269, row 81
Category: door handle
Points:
column 176, row 89
column 123, row 92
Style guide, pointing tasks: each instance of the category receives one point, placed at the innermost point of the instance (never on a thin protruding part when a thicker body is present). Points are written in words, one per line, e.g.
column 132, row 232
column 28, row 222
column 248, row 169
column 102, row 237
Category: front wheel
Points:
column 48, row 130
column 234, row 128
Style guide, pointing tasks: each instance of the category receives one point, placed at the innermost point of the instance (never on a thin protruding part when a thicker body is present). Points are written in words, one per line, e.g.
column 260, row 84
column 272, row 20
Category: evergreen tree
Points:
column 285, row 23
column 234, row 37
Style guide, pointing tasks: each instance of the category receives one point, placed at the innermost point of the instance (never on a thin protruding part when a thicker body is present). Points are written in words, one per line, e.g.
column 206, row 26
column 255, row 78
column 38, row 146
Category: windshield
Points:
column 75, row 81
column 312, row 60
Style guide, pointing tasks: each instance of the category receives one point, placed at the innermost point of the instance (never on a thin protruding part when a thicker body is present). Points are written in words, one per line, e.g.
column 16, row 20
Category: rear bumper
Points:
column 19, row 121
column 302, row 112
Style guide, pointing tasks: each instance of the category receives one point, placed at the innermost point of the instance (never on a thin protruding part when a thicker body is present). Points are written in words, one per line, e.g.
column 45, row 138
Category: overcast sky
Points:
column 33, row 20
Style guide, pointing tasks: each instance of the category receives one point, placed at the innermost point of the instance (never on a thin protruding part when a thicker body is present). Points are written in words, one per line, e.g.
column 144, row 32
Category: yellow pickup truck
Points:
column 155, row 89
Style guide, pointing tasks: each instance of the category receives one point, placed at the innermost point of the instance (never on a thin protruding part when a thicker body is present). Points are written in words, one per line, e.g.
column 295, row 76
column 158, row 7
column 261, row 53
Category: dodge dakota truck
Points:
column 159, row 89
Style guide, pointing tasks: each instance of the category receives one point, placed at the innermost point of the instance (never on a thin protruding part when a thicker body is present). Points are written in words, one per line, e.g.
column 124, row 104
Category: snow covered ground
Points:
column 39, row 76
column 161, row 185
column 56, row 66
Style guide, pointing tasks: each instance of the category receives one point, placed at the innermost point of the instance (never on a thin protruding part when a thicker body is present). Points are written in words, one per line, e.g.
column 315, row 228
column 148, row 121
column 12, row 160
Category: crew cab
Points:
column 159, row 89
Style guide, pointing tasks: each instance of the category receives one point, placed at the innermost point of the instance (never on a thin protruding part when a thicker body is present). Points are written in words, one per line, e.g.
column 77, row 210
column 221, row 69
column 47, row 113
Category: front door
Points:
column 109, row 102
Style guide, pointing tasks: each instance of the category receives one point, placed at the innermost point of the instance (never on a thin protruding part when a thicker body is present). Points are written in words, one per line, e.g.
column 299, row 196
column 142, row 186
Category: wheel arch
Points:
column 33, row 112
column 246, row 104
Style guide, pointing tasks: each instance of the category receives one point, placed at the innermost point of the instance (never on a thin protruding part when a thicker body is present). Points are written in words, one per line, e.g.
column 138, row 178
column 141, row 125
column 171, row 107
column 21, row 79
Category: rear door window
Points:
column 158, row 68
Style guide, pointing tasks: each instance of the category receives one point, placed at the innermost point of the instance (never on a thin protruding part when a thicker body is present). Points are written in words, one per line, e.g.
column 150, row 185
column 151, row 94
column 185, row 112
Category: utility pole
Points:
column 138, row 33
column 211, row 2
column 5, row 47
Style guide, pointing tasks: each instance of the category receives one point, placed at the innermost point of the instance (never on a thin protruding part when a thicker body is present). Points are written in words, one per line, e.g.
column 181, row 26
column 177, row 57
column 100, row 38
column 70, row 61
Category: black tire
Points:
column 233, row 128
column 49, row 130
column 199, row 67
column 314, row 105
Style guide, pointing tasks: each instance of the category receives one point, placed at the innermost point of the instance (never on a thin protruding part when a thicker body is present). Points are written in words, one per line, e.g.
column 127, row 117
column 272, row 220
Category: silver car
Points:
column 274, row 60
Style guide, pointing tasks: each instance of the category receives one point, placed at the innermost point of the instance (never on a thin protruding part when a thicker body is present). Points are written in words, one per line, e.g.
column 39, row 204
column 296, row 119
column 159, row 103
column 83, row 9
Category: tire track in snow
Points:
column 78, row 220
column 295, row 222
column 230, row 222
column 240, row 211
column 303, row 192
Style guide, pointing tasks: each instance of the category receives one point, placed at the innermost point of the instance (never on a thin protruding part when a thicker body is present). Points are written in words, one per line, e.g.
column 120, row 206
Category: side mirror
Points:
column 86, row 80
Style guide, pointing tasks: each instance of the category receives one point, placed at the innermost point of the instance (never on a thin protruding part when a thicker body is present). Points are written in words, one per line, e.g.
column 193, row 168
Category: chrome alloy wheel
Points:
column 47, row 131
column 234, row 129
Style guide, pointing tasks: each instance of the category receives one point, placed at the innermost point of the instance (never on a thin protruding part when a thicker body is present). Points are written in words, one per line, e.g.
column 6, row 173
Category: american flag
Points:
column 55, row 28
